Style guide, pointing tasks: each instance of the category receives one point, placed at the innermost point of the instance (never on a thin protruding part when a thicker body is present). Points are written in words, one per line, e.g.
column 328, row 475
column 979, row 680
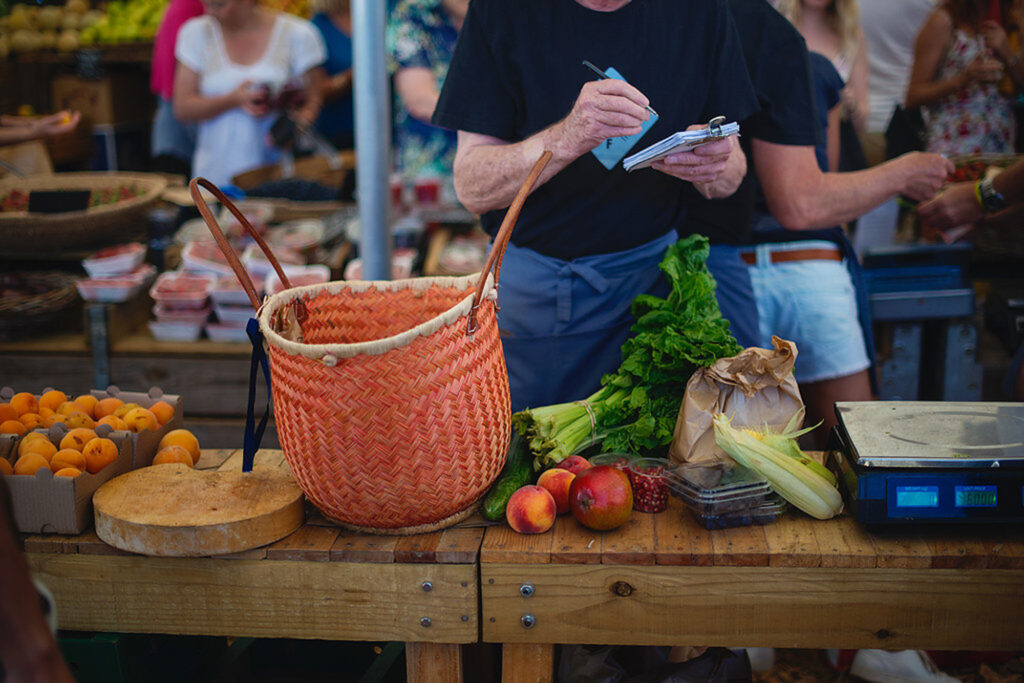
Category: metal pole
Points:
column 372, row 95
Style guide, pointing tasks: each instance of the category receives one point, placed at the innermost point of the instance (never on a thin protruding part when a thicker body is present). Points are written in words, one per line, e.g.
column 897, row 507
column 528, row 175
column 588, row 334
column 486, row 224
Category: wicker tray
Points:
column 23, row 231
column 25, row 315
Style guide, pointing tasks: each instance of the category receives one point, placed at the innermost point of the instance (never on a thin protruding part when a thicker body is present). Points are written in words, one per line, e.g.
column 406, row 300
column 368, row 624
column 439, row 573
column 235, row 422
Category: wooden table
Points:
column 800, row 583
column 320, row 582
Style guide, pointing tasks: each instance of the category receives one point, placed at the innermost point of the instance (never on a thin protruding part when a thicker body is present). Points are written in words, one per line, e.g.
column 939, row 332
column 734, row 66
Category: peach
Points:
column 531, row 510
column 575, row 464
column 557, row 482
column 140, row 419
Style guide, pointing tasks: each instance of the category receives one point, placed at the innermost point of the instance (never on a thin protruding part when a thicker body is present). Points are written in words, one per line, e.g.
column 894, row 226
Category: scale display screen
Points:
column 975, row 496
column 917, row 496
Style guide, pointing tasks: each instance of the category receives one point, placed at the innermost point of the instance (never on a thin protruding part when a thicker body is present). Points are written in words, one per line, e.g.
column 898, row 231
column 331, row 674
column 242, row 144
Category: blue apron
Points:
column 562, row 323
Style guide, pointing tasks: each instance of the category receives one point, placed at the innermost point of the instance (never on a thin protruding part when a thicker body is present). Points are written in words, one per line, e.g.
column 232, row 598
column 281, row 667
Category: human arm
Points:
column 22, row 129
column 338, row 85
column 801, row 197
column 417, row 89
column 488, row 171
column 28, row 650
column 832, row 142
column 929, row 49
column 997, row 41
column 314, row 80
column 190, row 106
column 958, row 204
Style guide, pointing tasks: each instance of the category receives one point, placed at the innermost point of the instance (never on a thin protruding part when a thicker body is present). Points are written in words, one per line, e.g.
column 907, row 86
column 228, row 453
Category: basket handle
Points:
column 222, row 241
column 504, row 234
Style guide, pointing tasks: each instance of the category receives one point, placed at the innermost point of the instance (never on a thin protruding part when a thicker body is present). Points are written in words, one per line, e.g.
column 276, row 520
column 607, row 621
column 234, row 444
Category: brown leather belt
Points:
column 782, row 256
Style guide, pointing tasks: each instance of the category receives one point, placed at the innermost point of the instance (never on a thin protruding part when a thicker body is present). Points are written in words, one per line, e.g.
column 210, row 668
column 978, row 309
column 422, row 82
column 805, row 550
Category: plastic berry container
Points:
column 716, row 491
column 177, row 289
column 620, row 460
column 113, row 261
column 650, row 488
column 766, row 512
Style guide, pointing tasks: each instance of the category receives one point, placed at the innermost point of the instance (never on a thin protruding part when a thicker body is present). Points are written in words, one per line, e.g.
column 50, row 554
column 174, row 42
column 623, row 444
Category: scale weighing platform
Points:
column 931, row 461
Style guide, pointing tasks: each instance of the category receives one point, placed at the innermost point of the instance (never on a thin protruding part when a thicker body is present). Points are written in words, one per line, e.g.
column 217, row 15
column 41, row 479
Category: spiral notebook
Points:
column 683, row 141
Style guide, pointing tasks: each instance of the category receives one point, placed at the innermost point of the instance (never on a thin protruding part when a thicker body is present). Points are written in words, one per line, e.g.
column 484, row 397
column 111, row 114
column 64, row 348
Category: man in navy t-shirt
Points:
column 590, row 236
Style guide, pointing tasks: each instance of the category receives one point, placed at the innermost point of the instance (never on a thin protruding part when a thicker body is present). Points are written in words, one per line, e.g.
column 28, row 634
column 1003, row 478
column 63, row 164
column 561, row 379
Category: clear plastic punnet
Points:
column 714, row 491
column 766, row 512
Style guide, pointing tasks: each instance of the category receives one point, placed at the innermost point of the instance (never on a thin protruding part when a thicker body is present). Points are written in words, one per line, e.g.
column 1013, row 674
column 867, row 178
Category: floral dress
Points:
column 419, row 34
column 974, row 120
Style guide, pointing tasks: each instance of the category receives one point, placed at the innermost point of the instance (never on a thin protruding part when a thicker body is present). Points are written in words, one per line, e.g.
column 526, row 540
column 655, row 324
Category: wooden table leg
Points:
column 429, row 662
column 527, row 663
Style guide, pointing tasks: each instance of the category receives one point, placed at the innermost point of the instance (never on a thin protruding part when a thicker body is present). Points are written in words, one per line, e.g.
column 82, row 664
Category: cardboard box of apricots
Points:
column 44, row 503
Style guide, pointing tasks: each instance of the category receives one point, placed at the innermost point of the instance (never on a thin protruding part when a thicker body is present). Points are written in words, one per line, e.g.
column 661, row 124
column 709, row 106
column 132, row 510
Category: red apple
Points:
column 575, row 464
column 557, row 482
column 530, row 510
column 601, row 498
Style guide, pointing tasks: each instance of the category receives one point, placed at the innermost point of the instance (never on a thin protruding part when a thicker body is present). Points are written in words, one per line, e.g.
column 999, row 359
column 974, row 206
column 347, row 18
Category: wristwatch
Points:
column 989, row 197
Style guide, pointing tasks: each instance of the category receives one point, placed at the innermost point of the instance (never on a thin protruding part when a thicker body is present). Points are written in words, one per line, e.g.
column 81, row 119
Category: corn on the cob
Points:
column 795, row 481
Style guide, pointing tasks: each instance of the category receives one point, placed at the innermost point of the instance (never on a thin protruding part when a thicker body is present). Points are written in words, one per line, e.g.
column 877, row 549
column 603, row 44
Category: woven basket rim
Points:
column 62, row 295
column 332, row 352
column 154, row 187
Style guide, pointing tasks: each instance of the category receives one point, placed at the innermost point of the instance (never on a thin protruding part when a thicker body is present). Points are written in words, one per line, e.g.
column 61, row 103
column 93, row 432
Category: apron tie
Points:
column 589, row 275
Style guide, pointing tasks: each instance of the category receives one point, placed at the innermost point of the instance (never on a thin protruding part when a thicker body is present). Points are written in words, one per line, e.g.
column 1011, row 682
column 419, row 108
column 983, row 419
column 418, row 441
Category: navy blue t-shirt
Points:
column 336, row 120
column 777, row 61
column 517, row 69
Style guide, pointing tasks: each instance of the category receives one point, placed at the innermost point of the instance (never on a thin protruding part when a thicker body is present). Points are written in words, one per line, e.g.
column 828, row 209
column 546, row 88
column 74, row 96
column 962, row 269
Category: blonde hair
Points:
column 330, row 6
column 843, row 17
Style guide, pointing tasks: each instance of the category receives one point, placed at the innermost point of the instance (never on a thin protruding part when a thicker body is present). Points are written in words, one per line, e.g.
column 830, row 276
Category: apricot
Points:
column 68, row 407
column 5, row 467
column 7, row 412
column 99, row 453
column 50, row 420
column 557, row 482
column 531, row 510
column 140, row 419
column 30, row 463
column 24, row 403
column 12, row 427
column 77, row 438
column 78, row 418
column 116, row 423
column 68, row 472
column 41, row 446
column 68, row 457
column 30, row 420
column 172, row 454
column 183, row 438
column 107, row 406
column 52, row 399
column 89, row 401
column 163, row 410
column 125, row 408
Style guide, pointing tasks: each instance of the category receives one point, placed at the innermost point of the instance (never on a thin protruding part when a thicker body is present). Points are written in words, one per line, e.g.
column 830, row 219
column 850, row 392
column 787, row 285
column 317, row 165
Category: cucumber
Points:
column 518, row 472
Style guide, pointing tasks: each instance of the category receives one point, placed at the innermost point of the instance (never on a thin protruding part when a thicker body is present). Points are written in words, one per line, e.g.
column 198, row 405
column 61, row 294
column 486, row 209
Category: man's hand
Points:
column 955, row 206
column 701, row 165
column 924, row 174
column 608, row 108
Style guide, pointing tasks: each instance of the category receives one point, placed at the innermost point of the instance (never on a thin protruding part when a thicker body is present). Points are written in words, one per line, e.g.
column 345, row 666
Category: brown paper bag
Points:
column 755, row 388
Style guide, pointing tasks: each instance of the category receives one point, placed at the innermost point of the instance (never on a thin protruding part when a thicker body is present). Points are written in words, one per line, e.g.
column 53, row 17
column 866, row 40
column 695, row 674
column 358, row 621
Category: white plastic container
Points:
column 220, row 332
column 115, row 290
column 205, row 258
column 228, row 291
column 175, row 330
column 256, row 262
column 164, row 313
column 299, row 276
column 235, row 315
column 401, row 265
column 116, row 260
column 298, row 235
column 178, row 289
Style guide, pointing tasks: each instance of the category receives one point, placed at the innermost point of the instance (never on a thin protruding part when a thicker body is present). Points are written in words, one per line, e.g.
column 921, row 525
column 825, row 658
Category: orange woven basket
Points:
column 393, row 409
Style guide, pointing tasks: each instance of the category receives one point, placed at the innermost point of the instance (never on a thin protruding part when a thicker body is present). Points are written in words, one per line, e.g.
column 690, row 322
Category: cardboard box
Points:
column 45, row 504
column 115, row 98
column 144, row 444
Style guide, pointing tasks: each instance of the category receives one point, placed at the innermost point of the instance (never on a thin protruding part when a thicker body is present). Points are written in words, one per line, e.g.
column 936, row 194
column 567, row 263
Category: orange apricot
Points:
column 30, row 420
column 99, row 453
column 5, row 467
column 172, row 454
column 107, row 406
column 67, row 472
column 89, row 401
column 24, row 403
column 7, row 412
column 68, row 407
column 68, row 457
column 30, row 463
column 50, row 420
column 77, row 418
column 41, row 446
column 141, row 419
column 12, row 427
column 116, row 423
column 125, row 408
column 77, row 438
column 163, row 410
column 183, row 438
column 52, row 399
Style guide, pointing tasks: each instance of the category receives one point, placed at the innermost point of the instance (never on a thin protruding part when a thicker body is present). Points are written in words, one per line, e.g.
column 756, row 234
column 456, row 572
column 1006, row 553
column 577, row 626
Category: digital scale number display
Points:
column 975, row 496
column 917, row 496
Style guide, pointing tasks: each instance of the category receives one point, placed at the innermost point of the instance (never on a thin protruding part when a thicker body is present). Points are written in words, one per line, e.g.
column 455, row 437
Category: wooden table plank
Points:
column 352, row 546
column 418, row 549
column 740, row 546
column 630, row 544
column 574, row 543
column 501, row 544
column 460, row 545
column 428, row 662
column 88, row 543
column 844, row 543
column 1005, row 547
column 679, row 539
column 791, row 541
column 307, row 543
column 45, row 543
column 900, row 549
column 956, row 548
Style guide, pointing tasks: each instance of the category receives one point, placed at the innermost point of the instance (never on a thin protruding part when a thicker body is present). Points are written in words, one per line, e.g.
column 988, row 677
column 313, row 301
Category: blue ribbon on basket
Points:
column 254, row 433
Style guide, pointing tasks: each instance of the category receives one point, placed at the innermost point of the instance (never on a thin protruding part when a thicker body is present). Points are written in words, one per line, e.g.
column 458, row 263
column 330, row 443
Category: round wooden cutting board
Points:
column 176, row 511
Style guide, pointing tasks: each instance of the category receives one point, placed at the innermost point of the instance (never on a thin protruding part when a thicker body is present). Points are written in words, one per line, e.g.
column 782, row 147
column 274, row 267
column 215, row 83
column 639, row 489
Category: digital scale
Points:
column 931, row 461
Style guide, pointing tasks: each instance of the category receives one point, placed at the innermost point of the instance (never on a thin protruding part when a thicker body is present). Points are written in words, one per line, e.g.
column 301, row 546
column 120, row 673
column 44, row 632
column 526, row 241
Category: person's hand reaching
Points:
column 955, row 206
column 924, row 174
column 57, row 124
